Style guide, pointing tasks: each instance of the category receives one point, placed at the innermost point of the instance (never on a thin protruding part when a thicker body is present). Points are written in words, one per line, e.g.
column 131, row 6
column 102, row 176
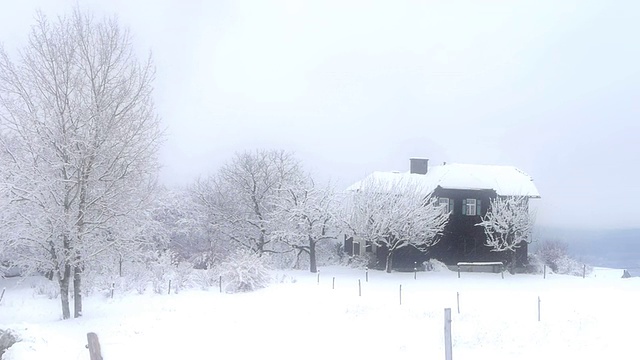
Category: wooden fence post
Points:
column 458, row 271
column 366, row 274
column 448, row 347
column 544, row 272
column 359, row 288
column 220, row 282
column 94, row 346
column 458, row 301
column 333, row 283
column 169, row 291
column 400, row 294
column 584, row 270
column 318, row 277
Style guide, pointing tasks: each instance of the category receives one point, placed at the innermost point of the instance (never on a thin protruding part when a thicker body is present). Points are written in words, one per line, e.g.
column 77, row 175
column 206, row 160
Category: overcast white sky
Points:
column 356, row 86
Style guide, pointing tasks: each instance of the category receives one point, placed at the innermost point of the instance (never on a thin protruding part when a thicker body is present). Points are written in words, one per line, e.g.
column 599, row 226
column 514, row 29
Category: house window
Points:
column 368, row 247
column 446, row 204
column 471, row 207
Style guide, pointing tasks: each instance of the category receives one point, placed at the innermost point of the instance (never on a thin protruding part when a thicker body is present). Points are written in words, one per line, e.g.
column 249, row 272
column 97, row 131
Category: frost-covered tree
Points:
column 308, row 213
column 551, row 252
column 507, row 225
column 186, row 228
column 78, row 141
column 241, row 198
column 394, row 217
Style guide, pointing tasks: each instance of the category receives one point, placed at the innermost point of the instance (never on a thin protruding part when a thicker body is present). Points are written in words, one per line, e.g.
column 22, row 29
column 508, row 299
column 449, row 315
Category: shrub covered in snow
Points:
column 435, row 265
column 550, row 251
column 183, row 276
column 48, row 288
column 137, row 277
column 569, row 266
column 534, row 265
column 244, row 271
column 204, row 278
column 361, row 261
column 162, row 272
column 555, row 255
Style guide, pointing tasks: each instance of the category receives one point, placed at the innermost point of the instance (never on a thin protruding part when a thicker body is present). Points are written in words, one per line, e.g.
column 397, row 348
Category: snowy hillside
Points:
column 298, row 318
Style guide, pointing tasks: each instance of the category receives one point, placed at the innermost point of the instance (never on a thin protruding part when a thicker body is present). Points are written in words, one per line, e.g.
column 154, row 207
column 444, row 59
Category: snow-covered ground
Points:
column 297, row 318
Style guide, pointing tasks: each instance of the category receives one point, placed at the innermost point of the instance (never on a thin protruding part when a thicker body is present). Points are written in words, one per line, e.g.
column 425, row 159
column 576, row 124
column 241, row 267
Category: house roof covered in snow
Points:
column 505, row 180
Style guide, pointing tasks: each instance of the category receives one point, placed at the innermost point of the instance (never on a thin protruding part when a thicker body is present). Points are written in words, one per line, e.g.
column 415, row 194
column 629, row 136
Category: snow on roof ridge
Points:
column 505, row 180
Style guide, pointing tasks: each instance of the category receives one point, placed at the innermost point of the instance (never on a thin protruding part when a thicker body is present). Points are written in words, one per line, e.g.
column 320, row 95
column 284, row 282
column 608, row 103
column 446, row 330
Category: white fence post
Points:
column 447, row 334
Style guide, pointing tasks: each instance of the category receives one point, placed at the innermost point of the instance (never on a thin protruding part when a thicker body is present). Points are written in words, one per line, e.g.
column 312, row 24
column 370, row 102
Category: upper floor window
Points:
column 446, row 204
column 471, row 207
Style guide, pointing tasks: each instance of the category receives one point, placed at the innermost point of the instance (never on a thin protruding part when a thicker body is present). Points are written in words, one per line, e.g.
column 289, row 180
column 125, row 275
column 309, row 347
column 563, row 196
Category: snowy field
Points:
column 297, row 318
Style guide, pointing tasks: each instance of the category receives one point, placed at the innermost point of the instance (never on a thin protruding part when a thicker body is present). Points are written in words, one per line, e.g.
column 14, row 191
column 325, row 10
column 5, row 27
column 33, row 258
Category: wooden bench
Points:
column 490, row 266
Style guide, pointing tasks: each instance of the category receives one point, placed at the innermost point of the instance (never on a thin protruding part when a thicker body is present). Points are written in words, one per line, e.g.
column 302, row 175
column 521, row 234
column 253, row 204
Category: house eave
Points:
column 537, row 196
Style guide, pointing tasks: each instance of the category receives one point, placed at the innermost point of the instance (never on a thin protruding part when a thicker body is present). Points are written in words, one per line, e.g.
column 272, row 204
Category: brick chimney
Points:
column 419, row 165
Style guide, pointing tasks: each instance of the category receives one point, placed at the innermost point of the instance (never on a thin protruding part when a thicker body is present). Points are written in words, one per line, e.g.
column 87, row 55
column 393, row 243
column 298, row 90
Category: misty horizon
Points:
column 353, row 88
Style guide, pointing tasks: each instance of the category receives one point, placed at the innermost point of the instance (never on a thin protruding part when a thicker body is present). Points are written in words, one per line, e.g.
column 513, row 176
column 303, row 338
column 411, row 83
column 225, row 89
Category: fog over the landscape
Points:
column 351, row 87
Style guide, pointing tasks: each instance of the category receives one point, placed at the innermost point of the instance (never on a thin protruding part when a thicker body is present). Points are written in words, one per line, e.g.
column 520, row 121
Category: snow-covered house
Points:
column 466, row 191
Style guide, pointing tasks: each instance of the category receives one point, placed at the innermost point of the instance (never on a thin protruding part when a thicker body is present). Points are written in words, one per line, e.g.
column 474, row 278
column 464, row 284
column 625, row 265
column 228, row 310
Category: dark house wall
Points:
column 461, row 241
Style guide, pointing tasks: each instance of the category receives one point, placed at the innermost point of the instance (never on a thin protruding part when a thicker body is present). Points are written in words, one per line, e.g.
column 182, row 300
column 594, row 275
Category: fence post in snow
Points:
column 333, row 283
column 448, row 347
column 2, row 295
column 400, row 294
column 458, row 301
column 538, row 308
column 458, row 271
column 366, row 274
column 318, row 277
column 544, row 272
column 113, row 286
column 415, row 270
column 220, row 284
column 94, row 346
column 169, row 291
column 359, row 288
column 584, row 270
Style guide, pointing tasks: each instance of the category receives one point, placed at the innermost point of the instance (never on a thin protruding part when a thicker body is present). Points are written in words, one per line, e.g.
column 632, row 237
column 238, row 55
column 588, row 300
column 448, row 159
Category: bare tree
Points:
column 241, row 197
column 508, row 224
column 79, row 138
column 395, row 216
column 185, row 227
column 308, row 214
column 552, row 251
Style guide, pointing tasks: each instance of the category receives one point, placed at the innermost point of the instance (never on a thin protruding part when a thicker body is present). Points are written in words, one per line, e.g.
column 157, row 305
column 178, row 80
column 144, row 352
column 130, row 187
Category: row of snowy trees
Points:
column 78, row 159
column 78, row 140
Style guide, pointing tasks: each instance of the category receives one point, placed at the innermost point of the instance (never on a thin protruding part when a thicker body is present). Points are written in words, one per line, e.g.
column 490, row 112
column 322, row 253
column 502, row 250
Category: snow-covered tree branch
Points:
column 395, row 217
column 242, row 197
column 508, row 224
column 308, row 217
column 79, row 137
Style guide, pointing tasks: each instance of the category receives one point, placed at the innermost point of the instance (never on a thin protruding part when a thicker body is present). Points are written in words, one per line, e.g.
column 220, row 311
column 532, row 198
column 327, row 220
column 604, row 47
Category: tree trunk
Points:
column 389, row 261
column 512, row 263
column 77, row 291
column 64, row 292
column 313, row 267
